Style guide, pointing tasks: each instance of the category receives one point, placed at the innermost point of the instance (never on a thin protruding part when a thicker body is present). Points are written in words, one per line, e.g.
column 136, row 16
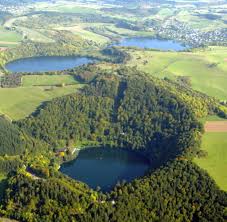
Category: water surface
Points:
column 47, row 63
column 150, row 43
column 104, row 167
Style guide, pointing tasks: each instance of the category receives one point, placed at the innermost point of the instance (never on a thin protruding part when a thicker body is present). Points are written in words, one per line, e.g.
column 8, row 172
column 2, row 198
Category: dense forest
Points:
column 179, row 191
column 11, row 81
column 110, row 104
column 12, row 140
column 13, row 144
column 122, row 108
column 128, row 112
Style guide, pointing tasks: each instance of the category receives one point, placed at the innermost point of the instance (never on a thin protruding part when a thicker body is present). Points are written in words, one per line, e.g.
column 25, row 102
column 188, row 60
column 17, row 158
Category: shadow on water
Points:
column 105, row 167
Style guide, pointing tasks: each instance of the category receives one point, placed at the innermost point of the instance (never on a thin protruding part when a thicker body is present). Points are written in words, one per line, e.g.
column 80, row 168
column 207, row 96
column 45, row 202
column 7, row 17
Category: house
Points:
column 61, row 152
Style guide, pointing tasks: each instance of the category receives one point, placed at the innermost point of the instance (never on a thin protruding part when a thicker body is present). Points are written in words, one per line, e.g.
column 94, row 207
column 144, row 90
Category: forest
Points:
column 153, row 103
column 179, row 191
column 10, row 81
column 117, row 109
column 107, row 111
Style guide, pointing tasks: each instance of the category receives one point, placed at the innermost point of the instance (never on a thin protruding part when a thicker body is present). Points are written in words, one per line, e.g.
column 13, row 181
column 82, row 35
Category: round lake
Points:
column 144, row 42
column 104, row 167
column 47, row 63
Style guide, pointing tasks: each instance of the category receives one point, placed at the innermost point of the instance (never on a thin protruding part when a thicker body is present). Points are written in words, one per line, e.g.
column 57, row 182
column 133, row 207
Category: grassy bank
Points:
column 215, row 163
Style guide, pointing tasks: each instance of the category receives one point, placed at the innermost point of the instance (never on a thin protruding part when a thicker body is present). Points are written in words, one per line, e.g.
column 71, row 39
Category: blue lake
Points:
column 104, row 167
column 47, row 63
column 149, row 43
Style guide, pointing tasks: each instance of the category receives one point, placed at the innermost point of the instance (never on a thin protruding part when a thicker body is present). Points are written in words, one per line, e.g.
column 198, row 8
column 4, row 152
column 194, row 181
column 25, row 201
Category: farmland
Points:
column 8, row 38
column 215, row 144
column 103, row 22
column 215, row 163
column 216, row 126
column 206, row 69
column 81, row 30
column 45, row 80
column 17, row 103
column 138, row 98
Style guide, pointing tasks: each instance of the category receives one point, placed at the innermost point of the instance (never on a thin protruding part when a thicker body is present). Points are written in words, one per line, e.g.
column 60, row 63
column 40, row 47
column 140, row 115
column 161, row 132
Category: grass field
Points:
column 17, row 103
column 128, row 32
column 206, row 69
column 68, row 7
column 215, row 144
column 85, row 34
column 45, row 80
column 73, row 9
column 210, row 118
column 8, row 38
column 216, row 161
column 34, row 35
column 197, row 22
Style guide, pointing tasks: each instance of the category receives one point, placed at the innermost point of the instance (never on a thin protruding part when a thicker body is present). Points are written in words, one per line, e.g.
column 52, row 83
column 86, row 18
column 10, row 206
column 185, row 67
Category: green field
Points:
column 8, row 38
column 207, row 69
column 85, row 34
column 73, row 9
column 35, row 35
column 45, row 80
column 17, row 103
column 215, row 144
column 216, row 161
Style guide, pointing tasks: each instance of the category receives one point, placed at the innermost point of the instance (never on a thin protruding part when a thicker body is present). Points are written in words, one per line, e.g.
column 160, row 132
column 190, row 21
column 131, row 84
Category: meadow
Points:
column 80, row 29
column 48, row 80
column 67, row 7
column 207, row 69
column 17, row 103
column 215, row 144
column 8, row 38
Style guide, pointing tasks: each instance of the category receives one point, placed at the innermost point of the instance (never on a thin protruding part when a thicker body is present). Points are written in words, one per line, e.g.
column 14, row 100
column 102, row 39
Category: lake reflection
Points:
column 104, row 167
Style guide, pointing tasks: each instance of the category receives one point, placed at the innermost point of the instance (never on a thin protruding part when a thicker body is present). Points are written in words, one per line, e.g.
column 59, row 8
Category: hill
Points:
column 107, row 111
column 118, row 109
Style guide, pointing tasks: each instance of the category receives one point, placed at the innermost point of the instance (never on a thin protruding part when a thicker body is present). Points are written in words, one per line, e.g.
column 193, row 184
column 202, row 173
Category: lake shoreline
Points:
column 96, row 156
column 152, row 43
column 42, row 64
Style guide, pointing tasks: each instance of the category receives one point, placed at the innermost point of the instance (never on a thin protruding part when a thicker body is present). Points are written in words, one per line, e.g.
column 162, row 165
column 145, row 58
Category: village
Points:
column 181, row 32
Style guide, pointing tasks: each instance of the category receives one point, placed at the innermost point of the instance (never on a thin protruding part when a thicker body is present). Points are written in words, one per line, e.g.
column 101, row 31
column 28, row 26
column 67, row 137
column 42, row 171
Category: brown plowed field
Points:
column 216, row 126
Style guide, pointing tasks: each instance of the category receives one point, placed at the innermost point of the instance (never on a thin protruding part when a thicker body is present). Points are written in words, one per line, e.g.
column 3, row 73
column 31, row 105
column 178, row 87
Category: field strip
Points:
column 216, row 126
column 9, row 43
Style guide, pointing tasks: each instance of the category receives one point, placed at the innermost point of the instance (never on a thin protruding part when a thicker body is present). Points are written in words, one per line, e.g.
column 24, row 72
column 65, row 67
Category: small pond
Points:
column 104, row 167
column 47, row 63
